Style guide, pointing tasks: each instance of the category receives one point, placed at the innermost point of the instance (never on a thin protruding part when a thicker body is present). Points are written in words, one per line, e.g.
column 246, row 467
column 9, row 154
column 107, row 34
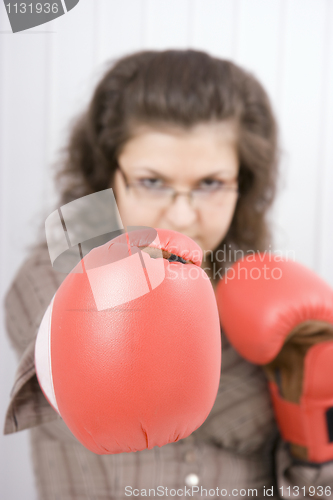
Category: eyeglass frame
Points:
column 176, row 192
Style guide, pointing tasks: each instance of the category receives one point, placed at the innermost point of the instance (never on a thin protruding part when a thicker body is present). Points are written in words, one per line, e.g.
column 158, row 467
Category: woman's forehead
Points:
column 205, row 147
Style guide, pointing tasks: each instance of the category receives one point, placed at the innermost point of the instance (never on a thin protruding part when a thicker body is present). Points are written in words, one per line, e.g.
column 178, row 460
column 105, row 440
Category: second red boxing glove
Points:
column 279, row 314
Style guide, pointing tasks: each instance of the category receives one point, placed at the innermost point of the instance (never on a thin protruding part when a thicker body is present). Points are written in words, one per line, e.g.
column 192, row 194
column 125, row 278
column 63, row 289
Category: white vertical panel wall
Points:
column 23, row 97
column 47, row 75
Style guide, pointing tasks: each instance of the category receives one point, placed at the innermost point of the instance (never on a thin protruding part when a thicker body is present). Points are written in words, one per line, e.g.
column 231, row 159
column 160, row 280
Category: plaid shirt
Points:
column 236, row 450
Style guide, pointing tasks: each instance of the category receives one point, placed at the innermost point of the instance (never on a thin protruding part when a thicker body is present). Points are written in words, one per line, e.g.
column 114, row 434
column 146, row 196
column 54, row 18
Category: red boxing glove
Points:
column 280, row 314
column 129, row 349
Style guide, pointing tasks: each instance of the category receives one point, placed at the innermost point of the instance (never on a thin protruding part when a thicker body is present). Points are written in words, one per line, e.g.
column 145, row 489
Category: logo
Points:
column 26, row 15
column 74, row 230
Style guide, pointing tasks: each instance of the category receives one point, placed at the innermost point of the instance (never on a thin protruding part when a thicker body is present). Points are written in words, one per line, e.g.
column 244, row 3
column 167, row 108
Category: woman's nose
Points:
column 180, row 213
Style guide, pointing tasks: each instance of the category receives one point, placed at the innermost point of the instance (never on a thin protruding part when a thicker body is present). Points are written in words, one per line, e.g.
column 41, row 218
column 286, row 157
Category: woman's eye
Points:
column 150, row 182
column 212, row 184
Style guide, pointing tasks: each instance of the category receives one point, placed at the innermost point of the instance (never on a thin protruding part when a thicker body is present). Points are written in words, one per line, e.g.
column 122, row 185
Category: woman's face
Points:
column 204, row 157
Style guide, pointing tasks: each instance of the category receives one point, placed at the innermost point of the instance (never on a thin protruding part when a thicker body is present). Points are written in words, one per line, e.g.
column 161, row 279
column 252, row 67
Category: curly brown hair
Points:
column 182, row 88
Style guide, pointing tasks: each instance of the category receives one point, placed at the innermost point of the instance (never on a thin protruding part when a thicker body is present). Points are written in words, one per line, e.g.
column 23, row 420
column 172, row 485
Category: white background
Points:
column 47, row 75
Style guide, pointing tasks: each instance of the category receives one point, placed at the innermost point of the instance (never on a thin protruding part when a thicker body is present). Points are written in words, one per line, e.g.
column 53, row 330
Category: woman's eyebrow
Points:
column 165, row 177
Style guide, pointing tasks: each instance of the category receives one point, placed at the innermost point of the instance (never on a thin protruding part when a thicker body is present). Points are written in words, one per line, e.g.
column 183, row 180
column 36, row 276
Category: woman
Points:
column 188, row 142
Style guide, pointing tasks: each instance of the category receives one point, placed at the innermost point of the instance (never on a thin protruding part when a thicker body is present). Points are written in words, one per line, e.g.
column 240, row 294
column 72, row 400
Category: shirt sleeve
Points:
column 296, row 479
column 25, row 303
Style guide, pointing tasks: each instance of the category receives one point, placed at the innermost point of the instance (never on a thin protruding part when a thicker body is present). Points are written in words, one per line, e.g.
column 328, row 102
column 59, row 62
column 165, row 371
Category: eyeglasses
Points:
column 153, row 192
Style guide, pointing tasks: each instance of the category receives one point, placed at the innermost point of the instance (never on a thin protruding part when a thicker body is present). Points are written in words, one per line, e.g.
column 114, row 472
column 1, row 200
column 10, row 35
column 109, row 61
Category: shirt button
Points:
column 192, row 480
column 190, row 457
